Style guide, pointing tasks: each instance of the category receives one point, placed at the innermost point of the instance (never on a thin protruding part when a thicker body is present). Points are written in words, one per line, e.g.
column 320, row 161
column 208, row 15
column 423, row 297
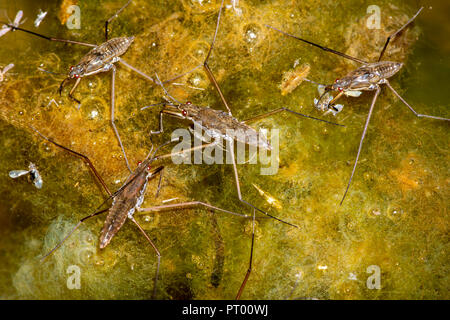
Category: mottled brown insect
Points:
column 129, row 198
column 368, row 77
column 101, row 58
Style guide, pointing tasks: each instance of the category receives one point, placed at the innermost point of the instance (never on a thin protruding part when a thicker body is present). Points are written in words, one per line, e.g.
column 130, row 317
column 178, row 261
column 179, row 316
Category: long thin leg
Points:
column 50, row 38
column 82, row 156
column 206, row 66
column 161, row 129
column 129, row 66
column 238, row 187
column 410, row 108
column 71, row 232
column 113, row 17
column 113, row 80
column 361, row 142
column 249, row 270
column 158, row 254
column 270, row 113
column 319, row 46
column 73, row 90
column 189, row 204
column 397, row 32
column 184, row 151
column 165, row 90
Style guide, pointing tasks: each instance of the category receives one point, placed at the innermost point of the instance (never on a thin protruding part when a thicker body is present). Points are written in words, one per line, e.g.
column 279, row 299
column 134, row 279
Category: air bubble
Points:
column 252, row 33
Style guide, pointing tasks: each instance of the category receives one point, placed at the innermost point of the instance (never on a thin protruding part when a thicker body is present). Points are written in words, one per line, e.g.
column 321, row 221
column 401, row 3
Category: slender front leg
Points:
column 249, row 270
column 73, row 90
column 113, row 80
column 331, row 103
column 270, row 113
column 113, row 17
column 238, row 187
column 361, row 142
column 410, row 108
column 397, row 32
column 158, row 254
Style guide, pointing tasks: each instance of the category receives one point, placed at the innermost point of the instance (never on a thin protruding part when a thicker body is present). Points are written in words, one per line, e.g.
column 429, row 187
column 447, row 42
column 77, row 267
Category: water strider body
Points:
column 368, row 77
column 100, row 59
column 217, row 124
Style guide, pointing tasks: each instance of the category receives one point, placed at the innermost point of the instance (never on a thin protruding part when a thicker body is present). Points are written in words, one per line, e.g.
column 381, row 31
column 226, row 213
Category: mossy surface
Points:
column 396, row 212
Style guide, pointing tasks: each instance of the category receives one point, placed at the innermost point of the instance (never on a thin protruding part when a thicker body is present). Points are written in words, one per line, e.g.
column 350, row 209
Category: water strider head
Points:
column 183, row 110
column 75, row 72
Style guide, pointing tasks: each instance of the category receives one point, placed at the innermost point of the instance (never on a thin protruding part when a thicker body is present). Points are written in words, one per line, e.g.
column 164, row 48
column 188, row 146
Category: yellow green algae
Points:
column 395, row 215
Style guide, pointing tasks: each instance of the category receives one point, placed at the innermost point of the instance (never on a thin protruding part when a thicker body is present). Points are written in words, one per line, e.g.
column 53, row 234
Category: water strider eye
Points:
column 339, row 89
column 184, row 112
column 149, row 167
column 139, row 163
column 188, row 103
column 71, row 68
column 335, row 81
column 76, row 76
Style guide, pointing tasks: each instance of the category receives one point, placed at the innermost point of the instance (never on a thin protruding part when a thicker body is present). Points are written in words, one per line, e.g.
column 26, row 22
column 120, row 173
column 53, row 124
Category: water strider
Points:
column 101, row 58
column 368, row 77
column 129, row 198
column 217, row 124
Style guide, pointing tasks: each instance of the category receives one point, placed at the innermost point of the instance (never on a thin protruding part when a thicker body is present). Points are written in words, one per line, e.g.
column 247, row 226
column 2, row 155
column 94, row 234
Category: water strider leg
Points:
column 113, row 80
column 49, row 38
column 331, row 103
column 129, row 66
column 270, row 113
column 397, row 32
column 319, row 46
column 158, row 254
column 238, row 187
column 113, row 17
column 82, row 156
column 206, row 66
column 71, row 232
column 72, row 90
column 377, row 92
column 188, row 204
column 410, row 108
column 249, row 270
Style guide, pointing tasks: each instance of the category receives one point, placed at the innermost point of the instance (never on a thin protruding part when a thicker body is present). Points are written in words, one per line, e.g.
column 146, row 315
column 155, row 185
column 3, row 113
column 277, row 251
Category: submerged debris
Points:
column 293, row 78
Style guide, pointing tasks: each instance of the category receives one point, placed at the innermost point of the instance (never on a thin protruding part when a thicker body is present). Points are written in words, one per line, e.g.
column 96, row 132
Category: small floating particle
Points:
column 5, row 70
column 352, row 276
column 41, row 15
column 169, row 200
column 271, row 200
